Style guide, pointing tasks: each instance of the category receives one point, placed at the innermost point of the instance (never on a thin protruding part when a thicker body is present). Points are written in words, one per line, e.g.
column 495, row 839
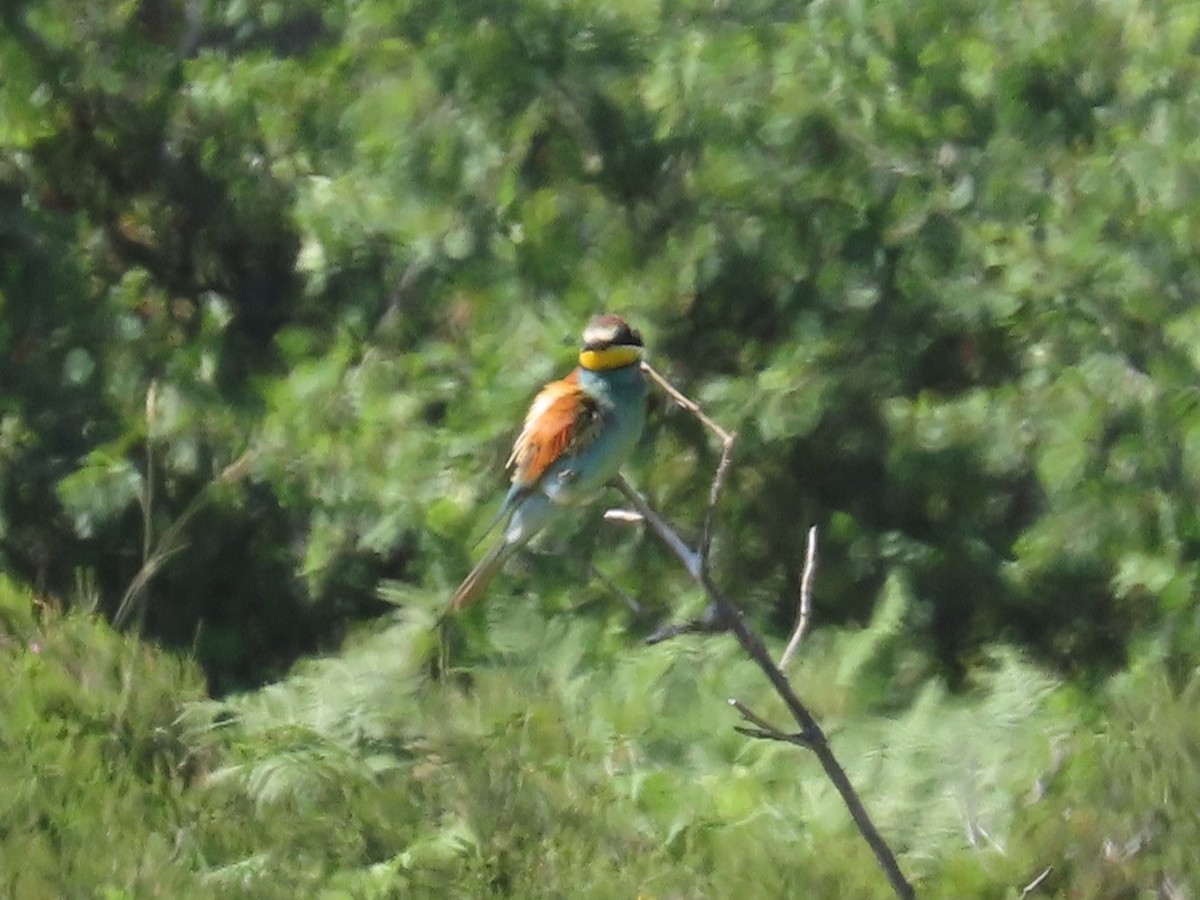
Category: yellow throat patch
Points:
column 609, row 358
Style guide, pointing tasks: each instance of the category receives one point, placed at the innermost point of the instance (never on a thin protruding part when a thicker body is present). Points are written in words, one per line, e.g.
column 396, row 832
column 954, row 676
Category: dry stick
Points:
column 147, row 498
column 810, row 732
column 765, row 730
column 806, row 583
column 687, row 403
column 1037, row 882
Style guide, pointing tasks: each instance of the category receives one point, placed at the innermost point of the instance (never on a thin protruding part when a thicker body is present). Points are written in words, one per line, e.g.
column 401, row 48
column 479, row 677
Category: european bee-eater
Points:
column 576, row 435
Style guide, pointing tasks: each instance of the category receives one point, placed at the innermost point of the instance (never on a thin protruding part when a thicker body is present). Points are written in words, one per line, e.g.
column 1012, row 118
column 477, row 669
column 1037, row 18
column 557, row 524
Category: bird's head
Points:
column 609, row 343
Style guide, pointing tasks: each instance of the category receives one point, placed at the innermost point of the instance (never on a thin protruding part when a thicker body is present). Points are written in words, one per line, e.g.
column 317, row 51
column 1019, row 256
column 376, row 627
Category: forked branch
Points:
column 724, row 615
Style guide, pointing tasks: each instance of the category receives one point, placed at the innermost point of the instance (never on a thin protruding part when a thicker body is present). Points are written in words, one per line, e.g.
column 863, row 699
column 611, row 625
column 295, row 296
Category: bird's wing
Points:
column 561, row 418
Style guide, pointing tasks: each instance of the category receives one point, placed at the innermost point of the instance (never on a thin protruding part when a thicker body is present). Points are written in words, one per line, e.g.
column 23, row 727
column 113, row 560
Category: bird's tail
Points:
column 473, row 585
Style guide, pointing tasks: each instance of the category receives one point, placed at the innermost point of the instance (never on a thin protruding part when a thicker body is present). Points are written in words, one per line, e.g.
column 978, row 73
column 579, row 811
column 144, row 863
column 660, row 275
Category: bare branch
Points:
column 750, row 715
column 659, row 525
column 1037, row 882
column 763, row 729
column 727, row 616
column 814, row 737
column 806, row 583
column 687, row 403
column 797, row 739
column 147, row 496
column 714, row 494
column 709, row 623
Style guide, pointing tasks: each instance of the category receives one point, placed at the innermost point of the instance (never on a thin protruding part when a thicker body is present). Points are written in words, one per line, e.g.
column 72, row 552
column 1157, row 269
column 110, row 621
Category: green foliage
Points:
column 556, row 761
column 1111, row 818
column 95, row 764
column 935, row 268
column 546, row 768
column 277, row 281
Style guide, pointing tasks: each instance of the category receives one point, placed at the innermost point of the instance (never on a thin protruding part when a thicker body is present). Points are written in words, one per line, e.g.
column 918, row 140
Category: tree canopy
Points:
column 277, row 282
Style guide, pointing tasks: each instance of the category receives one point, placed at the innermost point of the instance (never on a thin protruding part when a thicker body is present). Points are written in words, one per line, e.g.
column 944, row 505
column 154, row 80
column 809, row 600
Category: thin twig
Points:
column 624, row 516
column 802, row 617
column 797, row 739
column 714, row 495
column 147, row 497
column 631, row 601
column 1037, row 882
column 752, row 717
column 709, row 623
column 687, row 403
column 685, row 554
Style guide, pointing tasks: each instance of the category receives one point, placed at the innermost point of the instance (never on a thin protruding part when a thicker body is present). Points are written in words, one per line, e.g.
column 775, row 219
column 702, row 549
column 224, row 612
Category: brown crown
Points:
column 607, row 331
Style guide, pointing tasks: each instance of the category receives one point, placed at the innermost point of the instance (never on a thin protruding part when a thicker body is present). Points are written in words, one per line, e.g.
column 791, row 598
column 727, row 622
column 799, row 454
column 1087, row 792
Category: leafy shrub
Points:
column 96, row 770
column 544, row 768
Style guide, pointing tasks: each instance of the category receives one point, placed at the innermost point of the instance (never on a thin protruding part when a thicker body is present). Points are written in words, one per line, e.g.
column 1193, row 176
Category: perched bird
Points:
column 576, row 435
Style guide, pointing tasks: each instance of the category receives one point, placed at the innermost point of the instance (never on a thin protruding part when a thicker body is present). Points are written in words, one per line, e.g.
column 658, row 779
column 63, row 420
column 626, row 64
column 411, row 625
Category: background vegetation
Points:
column 276, row 283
